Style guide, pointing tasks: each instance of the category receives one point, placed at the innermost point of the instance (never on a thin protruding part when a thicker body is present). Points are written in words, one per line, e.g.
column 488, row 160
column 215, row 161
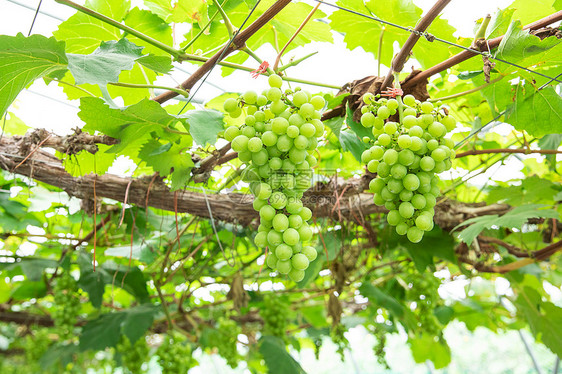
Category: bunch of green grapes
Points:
column 226, row 340
column 35, row 345
column 424, row 292
column 174, row 355
column 339, row 339
column 406, row 157
column 67, row 305
column 133, row 355
column 279, row 135
column 274, row 314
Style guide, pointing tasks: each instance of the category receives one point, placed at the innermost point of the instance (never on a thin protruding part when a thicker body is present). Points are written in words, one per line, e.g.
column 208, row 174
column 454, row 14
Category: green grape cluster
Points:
column 406, row 157
column 226, row 340
column 274, row 314
column 424, row 293
column 279, row 135
column 67, row 305
column 174, row 355
column 339, row 339
column 133, row 355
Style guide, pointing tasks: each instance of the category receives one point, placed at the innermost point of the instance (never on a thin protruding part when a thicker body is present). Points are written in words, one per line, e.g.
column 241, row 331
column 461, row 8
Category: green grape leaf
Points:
column 444, row 314
column 521, row 47
column 365, row 33
column 169, row 158
column 159, row 64
column 204, row 125
column 13, row 125
column 84, row 162
column 190, row 11
column 378, row 297
column 29, row 290
column 499, row 23
column 83, row 34
column 545, row 318
column 531, row 190
column 550, row 141
column 426, row 348
column 351, row 142
column 138, row 320
column 514, row 218
column 162, row 8
column 436, row 243
column 23, row 60
column 537, row 112
column 102, row 332
column 276, row 357
column 93, row 282
column 531, row 11
column 58, row 353
column 132, row 125
column 104, row 64
column 151, row 25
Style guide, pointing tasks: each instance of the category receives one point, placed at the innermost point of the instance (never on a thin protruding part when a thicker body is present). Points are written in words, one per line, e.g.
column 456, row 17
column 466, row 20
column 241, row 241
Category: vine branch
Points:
column 400, row 59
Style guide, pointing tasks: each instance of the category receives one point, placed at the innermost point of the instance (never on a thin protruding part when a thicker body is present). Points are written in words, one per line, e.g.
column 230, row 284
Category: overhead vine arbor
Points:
column 257, row 222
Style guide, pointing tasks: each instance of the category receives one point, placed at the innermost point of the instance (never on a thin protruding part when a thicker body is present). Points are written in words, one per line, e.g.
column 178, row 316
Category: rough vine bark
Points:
column 325, row 200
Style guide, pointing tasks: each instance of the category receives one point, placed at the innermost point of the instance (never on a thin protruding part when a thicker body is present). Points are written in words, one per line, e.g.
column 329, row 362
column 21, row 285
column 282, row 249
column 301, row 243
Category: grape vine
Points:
column 226, row 340
column 406, row 156
column 277, row 141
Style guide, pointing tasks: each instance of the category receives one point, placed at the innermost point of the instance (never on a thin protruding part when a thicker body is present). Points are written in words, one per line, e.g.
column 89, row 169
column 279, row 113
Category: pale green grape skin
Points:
column 427, row 163
column 418, row 201
column 272, row 261
column 291, row 236
column 411, row 182
column 283, row 252
column 284, row 266
column 409, row 100
column 240, row 143
column 310, row 253
column 254, row 144
column 230, row 105
column 406, row 209
column 423, row 222
column 300, row 261
column 250, row 97
column 390, row 156
column 393, row 217
column 267, row 212
column 414, row 234
column 368, row 119
column 383, row 112
column 280, row 222
column 300, row 98
column 296, row 275
column 275, row 80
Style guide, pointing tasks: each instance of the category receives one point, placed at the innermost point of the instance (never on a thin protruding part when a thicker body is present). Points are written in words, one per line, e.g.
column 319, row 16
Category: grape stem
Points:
column 276, row 64
column 399, row 98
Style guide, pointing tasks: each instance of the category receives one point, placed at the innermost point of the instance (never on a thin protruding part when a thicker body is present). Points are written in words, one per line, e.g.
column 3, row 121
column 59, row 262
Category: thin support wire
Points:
column 35, row 17
column 221, row 55
column 432, row 38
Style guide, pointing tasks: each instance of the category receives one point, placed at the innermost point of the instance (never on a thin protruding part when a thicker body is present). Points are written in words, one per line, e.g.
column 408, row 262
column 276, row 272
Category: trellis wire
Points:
column 461, row 143
column 432, row 38
column 221, row 55
column 35, row 17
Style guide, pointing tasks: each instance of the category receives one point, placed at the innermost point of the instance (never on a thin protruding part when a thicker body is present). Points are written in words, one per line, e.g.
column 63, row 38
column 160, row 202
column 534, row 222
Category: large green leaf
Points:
column 537, row 112
column 103, row 332
column 104, row 64
column 151, row 25
column 276, row 357
column 83, row 34
column 23, row 60
column 545, row 318
column 427, row 348
column 514, row 218
column 379, row 298
column 365, row 33
column 204, row 125
column 521, row 47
